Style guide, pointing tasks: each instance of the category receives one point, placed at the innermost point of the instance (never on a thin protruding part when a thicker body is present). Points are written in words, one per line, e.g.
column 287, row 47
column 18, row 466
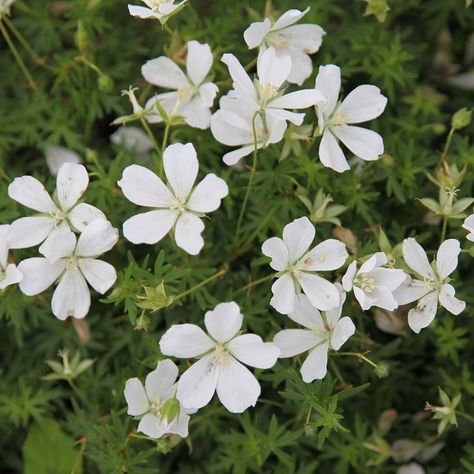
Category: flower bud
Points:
column 461, row 119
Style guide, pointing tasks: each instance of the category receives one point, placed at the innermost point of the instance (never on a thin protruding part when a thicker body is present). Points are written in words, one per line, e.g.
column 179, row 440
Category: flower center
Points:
column 365, row 282
column 58, row 217
column 179, row 205
column 434, row 284
column 72, row 264
column 155, row 4
column 338, row 119
column 220, row 353
column 185, row 94
column 155, row 405
column 267, row 92
column 278, row 41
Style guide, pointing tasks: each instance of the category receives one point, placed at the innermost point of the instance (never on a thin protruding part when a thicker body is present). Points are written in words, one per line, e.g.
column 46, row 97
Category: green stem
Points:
column 443, row 229
column 466, row 416
column 444, row 155
column 34, row 55
column 359, row 356
column 220, row 273
column 250, row 285
column 77, row 463
column 165, row 138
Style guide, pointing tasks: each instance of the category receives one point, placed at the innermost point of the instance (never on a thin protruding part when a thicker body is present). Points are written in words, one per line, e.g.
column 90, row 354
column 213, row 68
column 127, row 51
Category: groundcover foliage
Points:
column 396, row 397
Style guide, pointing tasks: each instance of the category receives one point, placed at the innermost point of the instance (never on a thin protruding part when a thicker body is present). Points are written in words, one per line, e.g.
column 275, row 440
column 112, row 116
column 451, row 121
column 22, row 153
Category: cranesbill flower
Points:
column 324, row 331
column 296, row 267
column 221, row 357
column 177, row 206
column 192, row 97
column 63, row 212
column 373, row 284
column 156, row 403
column 56, row 156
column 296, row 41
column 335, row 120
column 432, row 285
column 9, row 273
column 75, row 264
column 159, row 9
column 133, row 139
column 469, row 226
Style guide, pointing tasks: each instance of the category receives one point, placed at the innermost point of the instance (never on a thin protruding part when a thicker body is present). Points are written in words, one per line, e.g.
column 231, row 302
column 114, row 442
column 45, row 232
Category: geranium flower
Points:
column 9, row 274
column 296, row 267
column 56, row 156
column 219, row 367
column 75, row 264
column 232, row 126
column 323, row 332
column 335, row 120
column 373, row 285
column 156, row 403
column 159, row 9
column 296, row 41
column 64, row 212
column 433, row 284
column 133, row 139
column 177, row 206
column 469, row 226
column 265, row 94
column 193, row 97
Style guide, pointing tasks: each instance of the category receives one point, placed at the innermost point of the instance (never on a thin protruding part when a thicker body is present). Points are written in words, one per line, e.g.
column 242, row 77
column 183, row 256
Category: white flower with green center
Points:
column 192, row 96
column 73, row 263
column 432, row 284
column 324, row 331
column 155, row 404
column 159, row 9
column 468, row 224
column 296, row 41
column 297, row 267
column 9, row 273
column 178, row 205
column 55, row 216
column 221, row 355
column 335, row 120
column 374, row 285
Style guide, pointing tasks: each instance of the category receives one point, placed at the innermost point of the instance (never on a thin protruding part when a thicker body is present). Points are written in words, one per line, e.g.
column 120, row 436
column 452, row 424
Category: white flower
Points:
column 218, row 368
column 75, row 264
column 159, row 9
column 296, row 41
column 323, row 332
column 373, row 285
column 156, row 401
column 191, row 97
column 9, row 274
column 177, row 205
column 412, row 468
column 433, row 284
column 133, row 139
column 469, row 226
column 265, row 94
column 5, row 6
column 232, row 126
column 56, row 156
column 334, row 119
column 54, row 215
column 296, row 267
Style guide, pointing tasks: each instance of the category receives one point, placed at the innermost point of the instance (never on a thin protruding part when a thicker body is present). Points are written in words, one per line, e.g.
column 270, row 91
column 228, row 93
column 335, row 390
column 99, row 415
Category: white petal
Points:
column 468, row 224
column 179, row 425
column 348, row 277
column 241, row 80
column 328, row 82
column 149, row 227
column 181, row 168
column 12, row 276
column 304, row 39
column 281, row 115
column 306, row 314
column 56, row 156
column 362, row 104
column 298, row 236
column 231, row 126
column 4, row 228
column 390, row 278
column 135, row 395
column 299, row 100
column 132, row 139
column 164, row 72
column 145, row 188
column 343, row 330
column 83, row 214
column 167, row 100
column 412, row 468
column 292, row 342
column 364, row 143
column 330, row 153
column 198, row 384
column 315, row 365
column 289, row 17
column 425, row 311
column 152, row 426
column 207, row 195
column 301, row 65
column 97, row 238
column 384, row 298
column 330, row 254
column 449, row 301
column 376, row 260
column 196, row 114
column 447, row 257
column 185, row 340
column 333, row 315
column 160, row 382
column 276, row 249
column 60, row 243
column 207, row 94
column 237, row 388
column 31, row 193
column 71, row 297
column 142, row 12
column 415, row 257
column 29, row 231
column 198, row 61
column 188, row 233
column 321, row 293
column 39, row 274
column 100, row 275
column 233, row 157
column 224, row 321
column 364, row 299
column 251, row 350
column 71, row 182
column 284, row 294
column 410, row 290
column 255, row 33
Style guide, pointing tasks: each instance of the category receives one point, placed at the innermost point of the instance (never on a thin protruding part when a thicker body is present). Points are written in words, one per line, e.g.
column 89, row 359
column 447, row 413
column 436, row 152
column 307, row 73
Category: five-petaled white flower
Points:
column 56, row 156
column 324, row 331
column 374, row 285
column 9, row 273
column 433, row 284
column 177, row 205
column 159, row 9
column 156, row 403
column 55, row 215
column 232, row 125
column 219, row 367
column 296, row 41
column 468, row 224
column 265, row 94
column 191, row 97
column 75, row 264
column 335, row 120
column 296, row 267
